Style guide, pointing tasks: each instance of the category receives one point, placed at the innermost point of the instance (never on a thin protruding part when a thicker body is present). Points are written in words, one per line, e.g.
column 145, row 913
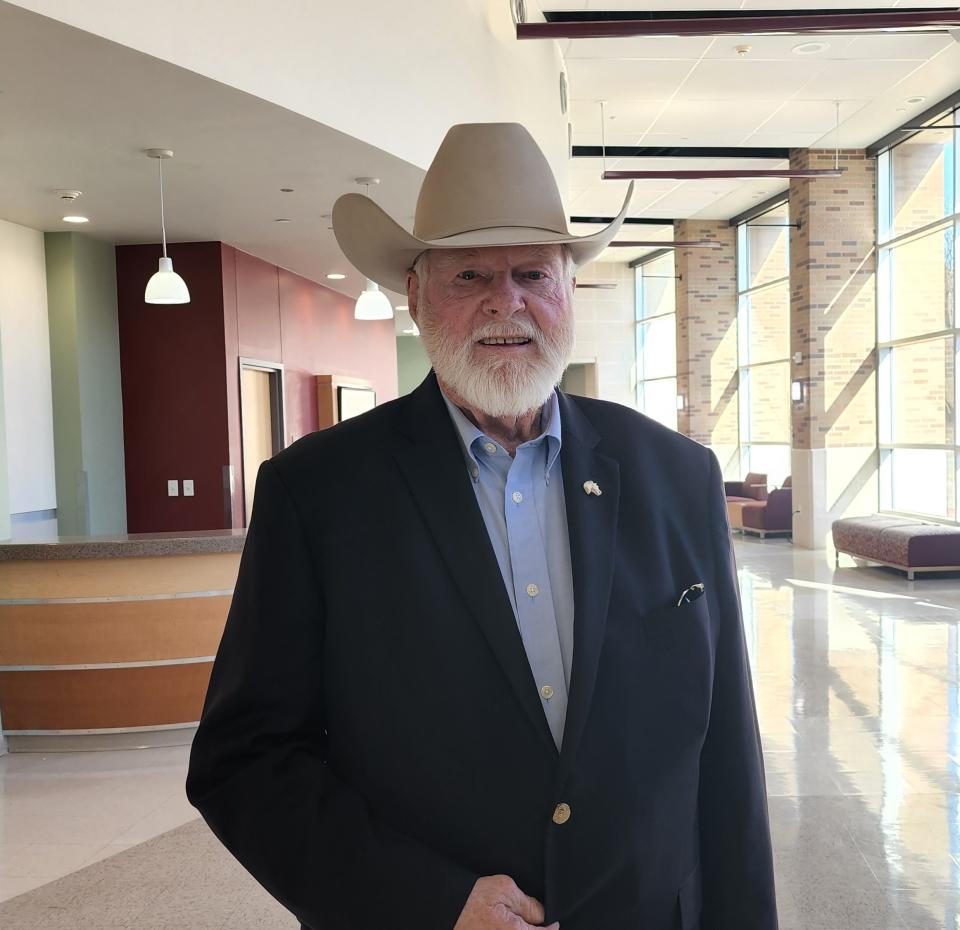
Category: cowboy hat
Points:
column 488, row 185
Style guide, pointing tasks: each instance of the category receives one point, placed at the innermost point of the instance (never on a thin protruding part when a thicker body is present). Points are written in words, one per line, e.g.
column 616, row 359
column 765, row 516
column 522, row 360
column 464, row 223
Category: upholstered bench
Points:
column 899, row 542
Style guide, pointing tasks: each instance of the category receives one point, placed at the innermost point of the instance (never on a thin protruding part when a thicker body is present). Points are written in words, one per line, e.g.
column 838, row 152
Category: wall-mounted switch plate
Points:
column 188, row 487
column 173, row 488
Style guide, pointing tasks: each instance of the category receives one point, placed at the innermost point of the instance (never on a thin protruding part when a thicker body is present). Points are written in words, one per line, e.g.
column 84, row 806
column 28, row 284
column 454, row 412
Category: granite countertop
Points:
column 123, row 545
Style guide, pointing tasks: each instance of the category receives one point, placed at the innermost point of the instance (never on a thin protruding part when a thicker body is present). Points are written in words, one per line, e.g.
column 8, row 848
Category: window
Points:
column 917, row 332
column 763, row 343
column 657, row 340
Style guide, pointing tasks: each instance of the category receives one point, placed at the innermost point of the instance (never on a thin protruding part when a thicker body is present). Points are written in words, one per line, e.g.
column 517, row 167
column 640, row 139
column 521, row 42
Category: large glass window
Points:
column 918, row 335
column 763, row 343
column 657, row 340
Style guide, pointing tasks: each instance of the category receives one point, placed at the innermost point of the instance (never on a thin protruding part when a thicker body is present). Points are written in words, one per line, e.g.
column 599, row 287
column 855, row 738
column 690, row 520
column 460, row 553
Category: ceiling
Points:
column 76, row 111
column 701, row 92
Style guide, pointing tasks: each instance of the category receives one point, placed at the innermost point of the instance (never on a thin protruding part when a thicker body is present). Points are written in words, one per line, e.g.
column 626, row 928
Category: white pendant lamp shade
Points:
column 166, row 286
column 373, row 304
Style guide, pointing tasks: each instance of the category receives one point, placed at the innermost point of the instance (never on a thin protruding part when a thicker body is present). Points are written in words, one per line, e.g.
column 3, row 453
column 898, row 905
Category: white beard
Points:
column 499, row 387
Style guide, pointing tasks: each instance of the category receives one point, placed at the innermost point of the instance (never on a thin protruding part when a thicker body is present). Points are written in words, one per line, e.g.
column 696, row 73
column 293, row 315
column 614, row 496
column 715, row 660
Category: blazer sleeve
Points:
column 735, row 852
column 258, row 770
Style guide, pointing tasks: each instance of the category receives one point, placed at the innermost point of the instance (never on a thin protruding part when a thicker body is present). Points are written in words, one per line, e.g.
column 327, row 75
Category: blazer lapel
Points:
column 592, row 525
column 434, row 469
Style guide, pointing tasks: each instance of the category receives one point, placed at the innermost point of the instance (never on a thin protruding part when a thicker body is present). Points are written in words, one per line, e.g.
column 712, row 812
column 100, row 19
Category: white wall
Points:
column 25, row 347
column 394, row 74
column 605, row 330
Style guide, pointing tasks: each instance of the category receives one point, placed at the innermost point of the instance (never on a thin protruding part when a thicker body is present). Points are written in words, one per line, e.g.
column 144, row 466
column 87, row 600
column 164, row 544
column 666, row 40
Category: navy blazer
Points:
column 372, row 740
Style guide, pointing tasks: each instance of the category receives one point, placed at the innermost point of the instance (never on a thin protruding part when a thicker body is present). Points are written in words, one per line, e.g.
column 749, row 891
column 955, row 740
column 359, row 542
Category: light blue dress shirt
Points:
column 521, row 499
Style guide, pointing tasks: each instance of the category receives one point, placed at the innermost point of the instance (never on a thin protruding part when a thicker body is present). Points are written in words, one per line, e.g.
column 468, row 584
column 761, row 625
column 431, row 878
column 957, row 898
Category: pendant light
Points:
column 372, row 304
column 165, row 285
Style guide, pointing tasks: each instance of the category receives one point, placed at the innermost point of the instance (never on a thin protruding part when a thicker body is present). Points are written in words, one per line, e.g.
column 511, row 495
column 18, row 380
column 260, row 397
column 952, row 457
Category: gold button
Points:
column 562, row 813
column 533, row 590
column 547, row 692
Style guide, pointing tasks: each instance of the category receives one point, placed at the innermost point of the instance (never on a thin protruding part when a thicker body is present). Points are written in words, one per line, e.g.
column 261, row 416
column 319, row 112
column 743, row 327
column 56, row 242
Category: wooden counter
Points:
column 109, row 641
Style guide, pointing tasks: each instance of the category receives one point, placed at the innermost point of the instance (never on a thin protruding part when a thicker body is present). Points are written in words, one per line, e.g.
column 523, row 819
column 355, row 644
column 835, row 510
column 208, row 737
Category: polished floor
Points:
column 856, row 676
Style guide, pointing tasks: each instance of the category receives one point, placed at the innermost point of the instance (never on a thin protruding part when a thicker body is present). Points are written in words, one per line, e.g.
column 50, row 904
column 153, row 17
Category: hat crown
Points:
column 484, row 176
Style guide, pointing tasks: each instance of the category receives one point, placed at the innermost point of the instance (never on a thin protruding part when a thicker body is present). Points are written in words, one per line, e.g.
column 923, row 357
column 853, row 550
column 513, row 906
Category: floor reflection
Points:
column 856, row 674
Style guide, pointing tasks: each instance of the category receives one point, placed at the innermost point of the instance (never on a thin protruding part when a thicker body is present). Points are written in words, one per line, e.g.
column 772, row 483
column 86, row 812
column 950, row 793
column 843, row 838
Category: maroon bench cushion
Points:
column 898, row 540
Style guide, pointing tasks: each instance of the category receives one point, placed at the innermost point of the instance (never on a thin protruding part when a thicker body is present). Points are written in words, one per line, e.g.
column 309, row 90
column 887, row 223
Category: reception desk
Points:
column 108, row 642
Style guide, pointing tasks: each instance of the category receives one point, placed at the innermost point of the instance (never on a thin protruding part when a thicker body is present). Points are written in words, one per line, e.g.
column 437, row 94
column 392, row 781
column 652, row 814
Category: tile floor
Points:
column 858, row 687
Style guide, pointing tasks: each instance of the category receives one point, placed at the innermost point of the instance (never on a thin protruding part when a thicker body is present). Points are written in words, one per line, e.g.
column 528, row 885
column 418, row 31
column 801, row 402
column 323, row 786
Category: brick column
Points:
column 707, row 338
column 833, row 327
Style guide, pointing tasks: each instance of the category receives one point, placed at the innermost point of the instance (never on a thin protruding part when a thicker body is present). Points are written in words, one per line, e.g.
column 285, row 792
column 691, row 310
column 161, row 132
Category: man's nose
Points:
column 503, row 298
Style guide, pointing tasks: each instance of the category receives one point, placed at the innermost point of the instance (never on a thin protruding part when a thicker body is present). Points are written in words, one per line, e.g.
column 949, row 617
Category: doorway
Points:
column 261, row 420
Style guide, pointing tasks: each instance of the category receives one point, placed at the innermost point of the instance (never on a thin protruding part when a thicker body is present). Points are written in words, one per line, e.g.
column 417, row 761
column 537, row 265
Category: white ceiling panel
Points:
column 859, row 79
column 782, row 139
column 742, row 79
column 809, row 116
column 689, row 115
column 616, row 79
column 623, row 116
column 646, row 47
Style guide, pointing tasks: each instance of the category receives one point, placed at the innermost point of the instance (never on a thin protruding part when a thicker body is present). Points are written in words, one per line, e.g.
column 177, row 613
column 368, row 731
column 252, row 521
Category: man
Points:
column 484, row 666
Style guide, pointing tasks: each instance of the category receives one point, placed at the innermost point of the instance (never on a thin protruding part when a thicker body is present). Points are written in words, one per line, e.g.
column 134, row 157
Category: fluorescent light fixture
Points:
column 335, row 276
column 373, row 304
column 76, row 219
column 681, row 402
column 796, row 390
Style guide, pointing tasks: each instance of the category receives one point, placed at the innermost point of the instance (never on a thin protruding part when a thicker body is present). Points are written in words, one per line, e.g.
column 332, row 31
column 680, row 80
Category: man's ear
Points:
column 413, row 294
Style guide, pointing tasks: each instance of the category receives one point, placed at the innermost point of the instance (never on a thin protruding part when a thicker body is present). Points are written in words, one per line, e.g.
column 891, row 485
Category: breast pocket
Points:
column 674, row 627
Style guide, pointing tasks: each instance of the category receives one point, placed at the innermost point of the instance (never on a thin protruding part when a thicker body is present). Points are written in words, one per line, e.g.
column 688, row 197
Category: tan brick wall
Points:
column 833, row 300
column 707, row 335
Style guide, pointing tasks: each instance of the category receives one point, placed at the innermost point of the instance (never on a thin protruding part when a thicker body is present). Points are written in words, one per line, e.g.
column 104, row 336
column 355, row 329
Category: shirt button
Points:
column 474, row 472
column 561, row 813
column 517, row 497
column 490, row 447
column 532, row 590
column 547, row 692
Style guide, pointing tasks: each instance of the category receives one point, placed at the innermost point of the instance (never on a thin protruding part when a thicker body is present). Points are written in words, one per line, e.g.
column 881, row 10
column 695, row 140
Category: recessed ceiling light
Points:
column 76, row 219
column 810, row 48
column 915, row 99
column 336, row 276
column 283, row 219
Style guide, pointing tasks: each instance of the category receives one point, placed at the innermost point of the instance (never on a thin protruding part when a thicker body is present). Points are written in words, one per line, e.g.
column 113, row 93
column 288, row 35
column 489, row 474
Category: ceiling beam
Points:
column 630, row 220
column 705, row 23
column 758, row 209
column 700, row 174
column 941, row 108
column 673, row 151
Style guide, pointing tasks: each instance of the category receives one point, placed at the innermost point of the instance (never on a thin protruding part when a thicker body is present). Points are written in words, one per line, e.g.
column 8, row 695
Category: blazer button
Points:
column 562, row 813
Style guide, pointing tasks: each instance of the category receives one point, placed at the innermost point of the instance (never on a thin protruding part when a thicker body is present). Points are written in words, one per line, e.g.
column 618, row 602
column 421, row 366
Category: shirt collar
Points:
column 469, row 435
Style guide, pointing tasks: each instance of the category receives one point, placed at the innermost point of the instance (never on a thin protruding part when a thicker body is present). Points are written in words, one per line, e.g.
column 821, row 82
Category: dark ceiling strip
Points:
column 671, row 151
column 758, row 209
column 579, row 16
column 892, row 138
column 721, row 173
column 791, row 24
column 599, row 286
column 643, row 259
column 696, row 244
column 629, row 221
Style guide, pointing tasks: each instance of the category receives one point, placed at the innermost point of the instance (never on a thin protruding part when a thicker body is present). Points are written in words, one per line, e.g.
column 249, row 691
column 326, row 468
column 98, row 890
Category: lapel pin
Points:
column 591, row 487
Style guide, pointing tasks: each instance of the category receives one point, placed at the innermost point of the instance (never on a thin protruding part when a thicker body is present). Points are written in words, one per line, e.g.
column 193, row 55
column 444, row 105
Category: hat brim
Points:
column 383, row 251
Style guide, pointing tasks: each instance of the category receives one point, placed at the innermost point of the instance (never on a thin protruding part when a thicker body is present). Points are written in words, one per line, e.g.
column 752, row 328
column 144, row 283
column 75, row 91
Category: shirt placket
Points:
column 532, row 595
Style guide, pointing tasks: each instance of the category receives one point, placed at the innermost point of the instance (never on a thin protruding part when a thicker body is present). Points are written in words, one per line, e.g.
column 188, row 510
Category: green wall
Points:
column 412, row 363
column 85, row 371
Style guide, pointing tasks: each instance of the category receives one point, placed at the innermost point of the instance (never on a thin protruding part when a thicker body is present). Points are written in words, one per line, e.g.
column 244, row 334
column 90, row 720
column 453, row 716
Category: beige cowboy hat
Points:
column 488, row 184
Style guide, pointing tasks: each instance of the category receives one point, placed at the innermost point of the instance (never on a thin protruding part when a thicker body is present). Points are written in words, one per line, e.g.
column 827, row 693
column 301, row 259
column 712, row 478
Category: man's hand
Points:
column 496, row 903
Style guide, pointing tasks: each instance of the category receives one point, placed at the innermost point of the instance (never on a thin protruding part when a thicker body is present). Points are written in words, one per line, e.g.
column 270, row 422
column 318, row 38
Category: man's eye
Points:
column 467, row 275
column 536, row 275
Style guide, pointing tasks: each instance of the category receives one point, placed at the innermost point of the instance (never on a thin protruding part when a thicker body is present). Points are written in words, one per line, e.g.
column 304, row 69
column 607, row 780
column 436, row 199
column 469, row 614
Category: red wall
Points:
column 174, row 391
column 181, row 379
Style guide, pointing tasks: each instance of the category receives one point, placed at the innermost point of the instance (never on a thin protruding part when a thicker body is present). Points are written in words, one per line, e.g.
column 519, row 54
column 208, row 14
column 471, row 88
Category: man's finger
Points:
column 530, row 909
